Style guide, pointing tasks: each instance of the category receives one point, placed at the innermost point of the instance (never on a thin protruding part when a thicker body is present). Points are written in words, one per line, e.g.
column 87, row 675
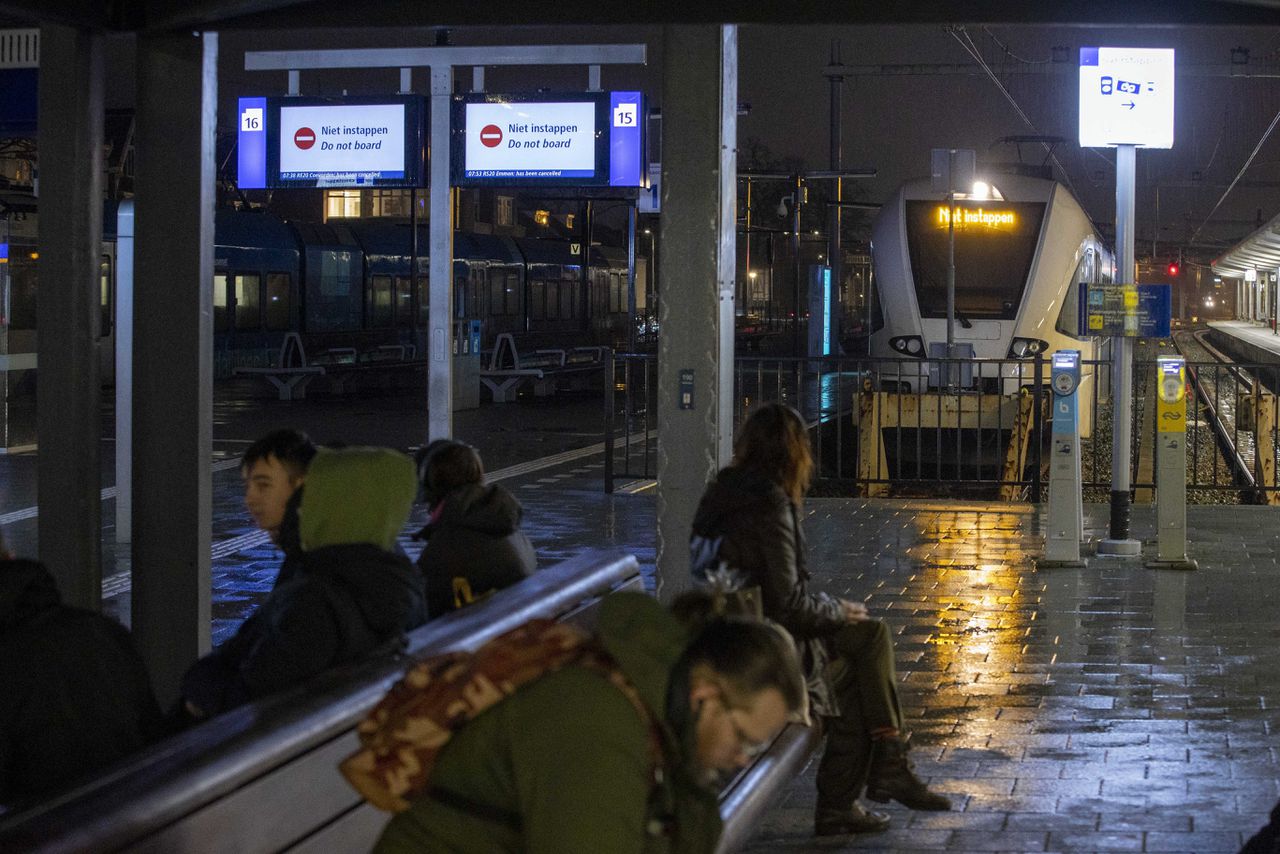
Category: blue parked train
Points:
column 348, row 283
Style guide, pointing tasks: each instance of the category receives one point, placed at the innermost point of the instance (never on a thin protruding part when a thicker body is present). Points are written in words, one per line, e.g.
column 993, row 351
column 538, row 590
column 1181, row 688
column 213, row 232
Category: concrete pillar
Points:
column 68, row 408
column 696, row 306
column 173, row 351
column 440, row 286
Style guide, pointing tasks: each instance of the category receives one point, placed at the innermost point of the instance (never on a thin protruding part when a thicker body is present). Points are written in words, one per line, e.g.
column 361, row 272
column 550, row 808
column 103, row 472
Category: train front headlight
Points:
column 908, row 345
column 1027, row 348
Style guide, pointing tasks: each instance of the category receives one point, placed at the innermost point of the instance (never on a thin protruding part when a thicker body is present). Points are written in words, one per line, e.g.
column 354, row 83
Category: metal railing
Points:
column 965, row 427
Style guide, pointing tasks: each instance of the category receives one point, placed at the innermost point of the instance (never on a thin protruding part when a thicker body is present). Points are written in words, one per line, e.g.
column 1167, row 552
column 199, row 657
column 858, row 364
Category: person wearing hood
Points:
column 75, row 694
column 748, row 523
column 349, row 597
column 568, row 764
column 474, row 544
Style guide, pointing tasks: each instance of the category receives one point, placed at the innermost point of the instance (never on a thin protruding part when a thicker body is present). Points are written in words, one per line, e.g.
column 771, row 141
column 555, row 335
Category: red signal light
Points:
column 1173, row 269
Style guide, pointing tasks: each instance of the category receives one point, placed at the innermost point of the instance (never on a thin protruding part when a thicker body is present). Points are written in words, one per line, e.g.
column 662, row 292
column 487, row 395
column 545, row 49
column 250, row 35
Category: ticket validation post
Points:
column 1171, row 465
column 1066, row 509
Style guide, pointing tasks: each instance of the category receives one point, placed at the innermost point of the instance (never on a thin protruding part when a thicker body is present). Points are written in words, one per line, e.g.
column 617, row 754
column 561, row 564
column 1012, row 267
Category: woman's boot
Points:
column 891, row 777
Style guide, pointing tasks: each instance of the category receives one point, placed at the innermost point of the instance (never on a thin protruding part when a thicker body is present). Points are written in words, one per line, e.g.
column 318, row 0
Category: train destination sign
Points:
column 580, row 138
column 340, row 142
column 1131, row 311
column 1126, row 97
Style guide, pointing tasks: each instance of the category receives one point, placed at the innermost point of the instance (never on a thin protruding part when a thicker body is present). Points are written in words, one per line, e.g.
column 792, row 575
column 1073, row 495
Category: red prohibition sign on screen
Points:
column 304, row 138
column 490, row 136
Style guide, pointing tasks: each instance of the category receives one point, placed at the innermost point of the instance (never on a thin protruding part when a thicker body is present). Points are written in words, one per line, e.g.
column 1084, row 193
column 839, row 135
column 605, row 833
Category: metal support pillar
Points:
column 440, row 368
column 68, row 413
column 173, row 352
column 631, row 278
column 1119, row 543
column 834, row 211
column 124, row 372
column 695, row 433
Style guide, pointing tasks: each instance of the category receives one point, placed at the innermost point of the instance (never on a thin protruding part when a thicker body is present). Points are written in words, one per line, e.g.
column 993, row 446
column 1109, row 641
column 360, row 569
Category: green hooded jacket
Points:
column 563, row 766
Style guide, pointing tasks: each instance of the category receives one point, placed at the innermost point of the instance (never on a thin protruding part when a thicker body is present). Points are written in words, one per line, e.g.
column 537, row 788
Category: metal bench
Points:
column 508, row 368
column 750, row 794
column 264, row 777
column 342, row 366
column 291, row 374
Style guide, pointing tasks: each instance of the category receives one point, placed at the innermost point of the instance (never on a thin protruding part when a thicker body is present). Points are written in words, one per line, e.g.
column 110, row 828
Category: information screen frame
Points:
column 605, row 173
column 414, row 143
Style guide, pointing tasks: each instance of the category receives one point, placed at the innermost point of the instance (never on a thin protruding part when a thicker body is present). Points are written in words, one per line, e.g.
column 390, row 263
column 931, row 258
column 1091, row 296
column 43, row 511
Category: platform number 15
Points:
column 251, row 119
column 624, row 116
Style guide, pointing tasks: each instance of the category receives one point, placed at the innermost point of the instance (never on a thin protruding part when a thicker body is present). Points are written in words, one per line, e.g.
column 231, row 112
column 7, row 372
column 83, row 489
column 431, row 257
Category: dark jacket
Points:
column 74, row 694
column 347, row 596
column 763, row 542
column 563, row 765
column 476, row 536
column 1266, row 840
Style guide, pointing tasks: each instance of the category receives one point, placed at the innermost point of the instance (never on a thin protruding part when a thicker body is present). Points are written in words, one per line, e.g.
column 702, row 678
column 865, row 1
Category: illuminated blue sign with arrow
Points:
column 1126, row 97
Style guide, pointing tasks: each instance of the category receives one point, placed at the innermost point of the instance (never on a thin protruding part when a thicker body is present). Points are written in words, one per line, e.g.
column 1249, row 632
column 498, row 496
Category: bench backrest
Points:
column 264, row 777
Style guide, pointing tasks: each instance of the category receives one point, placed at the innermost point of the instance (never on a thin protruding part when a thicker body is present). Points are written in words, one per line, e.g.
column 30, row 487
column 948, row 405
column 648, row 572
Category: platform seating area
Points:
column 234, row 783
column 511, row 365
column 343, row 366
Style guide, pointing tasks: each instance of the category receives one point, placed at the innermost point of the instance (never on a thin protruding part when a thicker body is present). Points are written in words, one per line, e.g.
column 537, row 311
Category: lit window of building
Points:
column 341, row 204
column 505, row 211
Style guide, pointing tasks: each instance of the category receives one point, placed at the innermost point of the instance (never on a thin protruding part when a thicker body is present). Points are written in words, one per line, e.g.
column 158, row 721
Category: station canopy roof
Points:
column 166, row 15
column 1260, row 251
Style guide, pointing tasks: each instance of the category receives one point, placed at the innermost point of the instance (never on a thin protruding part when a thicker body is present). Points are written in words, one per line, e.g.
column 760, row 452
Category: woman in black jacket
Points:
column 749, row 522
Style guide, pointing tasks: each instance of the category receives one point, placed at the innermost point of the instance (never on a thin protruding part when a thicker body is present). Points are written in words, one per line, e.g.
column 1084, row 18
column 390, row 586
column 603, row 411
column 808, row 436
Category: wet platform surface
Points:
column 1114, row 708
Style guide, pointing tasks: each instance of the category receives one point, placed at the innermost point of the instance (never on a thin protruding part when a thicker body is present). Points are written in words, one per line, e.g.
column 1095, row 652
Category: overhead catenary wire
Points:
column 966, row 42
column 1239, row 175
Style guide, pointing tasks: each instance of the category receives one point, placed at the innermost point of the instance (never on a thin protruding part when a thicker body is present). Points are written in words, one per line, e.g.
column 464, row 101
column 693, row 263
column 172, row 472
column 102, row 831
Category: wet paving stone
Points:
column 1115, row 708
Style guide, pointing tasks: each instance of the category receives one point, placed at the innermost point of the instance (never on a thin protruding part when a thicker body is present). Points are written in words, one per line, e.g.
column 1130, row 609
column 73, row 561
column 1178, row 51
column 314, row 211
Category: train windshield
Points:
column 995, row 244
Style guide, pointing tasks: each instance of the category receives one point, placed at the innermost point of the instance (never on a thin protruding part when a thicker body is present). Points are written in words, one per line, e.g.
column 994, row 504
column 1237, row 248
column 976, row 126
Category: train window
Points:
column 23, row 278
column 104, row 297
column 379, row 308
column 497, row 300
column 475, row 300
column 248, row 302
column 276, row 310
column 553, row 300
column 537, row 291
column 513, row 294
column 404, row 301
column 568, row 301
column 617, row 302
column 335, row 274
column 1069, row 317
column 221, row 323
column 994, row 247
column 424, row 299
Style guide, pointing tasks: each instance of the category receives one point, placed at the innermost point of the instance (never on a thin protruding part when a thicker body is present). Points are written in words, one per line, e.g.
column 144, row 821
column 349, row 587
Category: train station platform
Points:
column 1247, row 340
column 1114, row 708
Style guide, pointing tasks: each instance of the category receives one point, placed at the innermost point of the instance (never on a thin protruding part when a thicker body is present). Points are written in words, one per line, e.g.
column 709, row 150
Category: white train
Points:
column 1022, row 247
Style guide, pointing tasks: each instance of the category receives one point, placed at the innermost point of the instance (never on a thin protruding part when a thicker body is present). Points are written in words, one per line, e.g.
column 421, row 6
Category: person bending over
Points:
column 350, row 596
column 576, row 763
column 474, row 544
column 749, row 522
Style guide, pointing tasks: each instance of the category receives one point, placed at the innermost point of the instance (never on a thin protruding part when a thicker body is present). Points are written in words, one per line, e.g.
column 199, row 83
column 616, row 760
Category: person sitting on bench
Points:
column 474, row 544
column 350, row 596
column 749, row 523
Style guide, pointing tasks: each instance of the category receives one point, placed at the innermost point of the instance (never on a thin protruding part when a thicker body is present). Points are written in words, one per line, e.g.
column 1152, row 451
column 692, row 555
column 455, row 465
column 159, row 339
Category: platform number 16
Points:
column 251, row 119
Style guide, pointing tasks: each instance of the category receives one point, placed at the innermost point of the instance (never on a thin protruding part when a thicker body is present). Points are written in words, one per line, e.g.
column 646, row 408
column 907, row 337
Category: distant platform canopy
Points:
column 1258, row 251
